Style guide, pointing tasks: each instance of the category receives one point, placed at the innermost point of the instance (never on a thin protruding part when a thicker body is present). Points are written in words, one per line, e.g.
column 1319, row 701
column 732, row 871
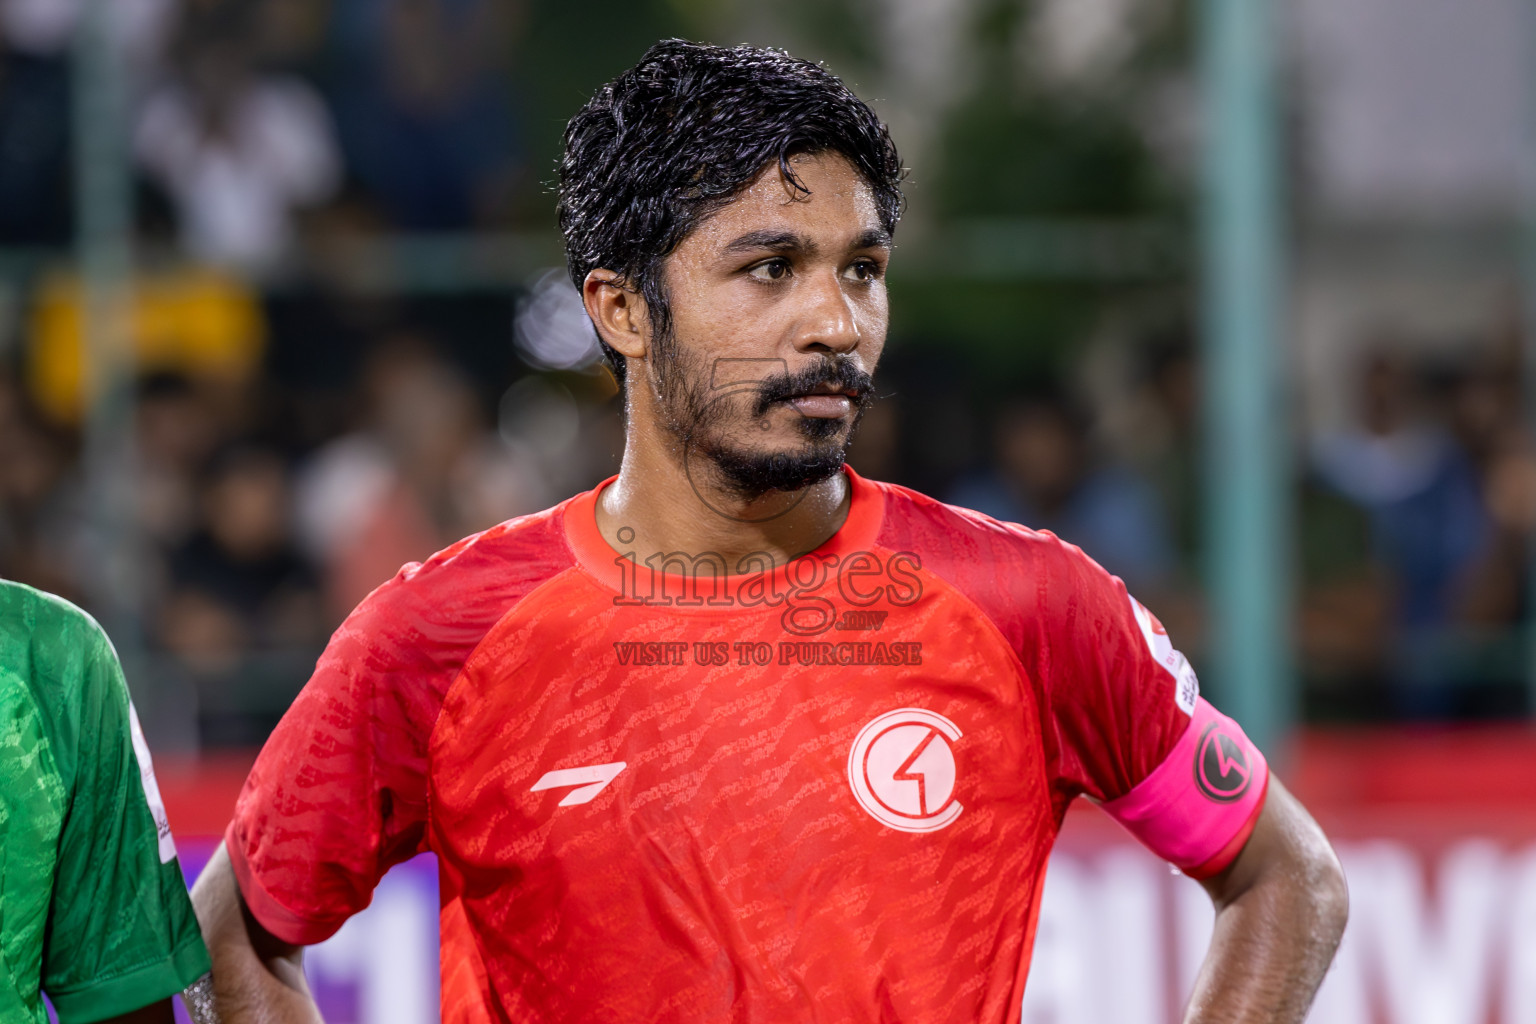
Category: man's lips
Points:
column 829, row 405
column 831, row 395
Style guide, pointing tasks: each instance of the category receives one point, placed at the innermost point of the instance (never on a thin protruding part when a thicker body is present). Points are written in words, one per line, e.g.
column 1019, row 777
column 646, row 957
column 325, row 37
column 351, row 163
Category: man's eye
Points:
column 863, row 270
column 772, row 270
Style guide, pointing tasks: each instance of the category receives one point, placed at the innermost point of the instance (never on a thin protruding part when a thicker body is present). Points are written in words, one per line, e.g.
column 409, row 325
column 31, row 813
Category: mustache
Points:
column 842, row 375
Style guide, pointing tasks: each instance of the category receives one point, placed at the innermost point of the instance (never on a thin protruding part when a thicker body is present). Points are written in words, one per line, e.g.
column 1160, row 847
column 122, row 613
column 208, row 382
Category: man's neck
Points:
column 659, row 505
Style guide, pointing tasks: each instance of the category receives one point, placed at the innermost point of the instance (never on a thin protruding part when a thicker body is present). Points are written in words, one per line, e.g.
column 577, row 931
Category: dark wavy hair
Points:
column 685, row 131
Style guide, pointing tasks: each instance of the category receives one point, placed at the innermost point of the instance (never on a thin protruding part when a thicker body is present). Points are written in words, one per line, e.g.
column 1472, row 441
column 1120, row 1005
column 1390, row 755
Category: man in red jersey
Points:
column 740, row 735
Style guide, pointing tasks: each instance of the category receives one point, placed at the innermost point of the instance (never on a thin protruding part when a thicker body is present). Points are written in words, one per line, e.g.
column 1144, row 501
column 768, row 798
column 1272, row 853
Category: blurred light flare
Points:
column 552, row 330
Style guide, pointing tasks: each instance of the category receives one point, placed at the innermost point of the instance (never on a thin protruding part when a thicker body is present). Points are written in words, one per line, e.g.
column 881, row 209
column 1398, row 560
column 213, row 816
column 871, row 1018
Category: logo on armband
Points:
column 1222, row 770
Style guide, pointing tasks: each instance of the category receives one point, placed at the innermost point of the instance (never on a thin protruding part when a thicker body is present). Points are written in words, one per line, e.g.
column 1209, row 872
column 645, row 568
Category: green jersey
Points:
column 93, row 907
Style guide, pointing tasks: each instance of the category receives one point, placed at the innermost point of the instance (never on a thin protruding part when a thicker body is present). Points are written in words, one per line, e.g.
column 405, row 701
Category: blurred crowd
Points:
column 1415, row 522
column 245, row 117
column 260, row 514
column 293, row 442
column 1411, row 518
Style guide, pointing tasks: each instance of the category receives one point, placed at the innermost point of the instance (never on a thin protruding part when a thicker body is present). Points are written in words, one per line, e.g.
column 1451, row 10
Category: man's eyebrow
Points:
column 776, row 241
column 788, row 241
column 874, row 238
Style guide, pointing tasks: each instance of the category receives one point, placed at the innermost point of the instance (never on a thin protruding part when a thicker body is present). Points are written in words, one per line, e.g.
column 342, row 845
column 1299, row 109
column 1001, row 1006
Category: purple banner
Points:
column 382, row 966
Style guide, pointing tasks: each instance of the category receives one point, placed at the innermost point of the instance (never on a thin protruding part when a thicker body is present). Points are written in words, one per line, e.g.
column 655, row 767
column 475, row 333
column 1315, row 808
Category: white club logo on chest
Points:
column 902, row 770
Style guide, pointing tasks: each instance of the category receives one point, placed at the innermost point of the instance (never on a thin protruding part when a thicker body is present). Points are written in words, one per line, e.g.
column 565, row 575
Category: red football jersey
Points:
column 686, row 791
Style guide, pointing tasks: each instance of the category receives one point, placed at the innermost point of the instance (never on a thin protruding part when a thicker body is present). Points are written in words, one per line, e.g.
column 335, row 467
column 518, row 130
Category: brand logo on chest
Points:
column 902, row 770
column 592, row 780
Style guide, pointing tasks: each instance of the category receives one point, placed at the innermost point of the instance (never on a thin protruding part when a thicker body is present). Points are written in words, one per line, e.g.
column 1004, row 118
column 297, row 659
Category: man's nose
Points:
column 831, row 323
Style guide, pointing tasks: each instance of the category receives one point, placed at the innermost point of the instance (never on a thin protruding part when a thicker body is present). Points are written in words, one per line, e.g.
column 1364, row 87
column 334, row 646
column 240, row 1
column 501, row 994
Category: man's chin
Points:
column 750, row 475
column 824, row 428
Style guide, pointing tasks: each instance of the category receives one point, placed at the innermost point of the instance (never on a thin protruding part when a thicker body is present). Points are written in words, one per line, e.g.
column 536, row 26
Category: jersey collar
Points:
column 619, row 573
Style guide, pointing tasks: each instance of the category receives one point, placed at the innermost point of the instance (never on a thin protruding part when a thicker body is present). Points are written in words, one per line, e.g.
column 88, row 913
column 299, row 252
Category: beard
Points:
column 701, row 418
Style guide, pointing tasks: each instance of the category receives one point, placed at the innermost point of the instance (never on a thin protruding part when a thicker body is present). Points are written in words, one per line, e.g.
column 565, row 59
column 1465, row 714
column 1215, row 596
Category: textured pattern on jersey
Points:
column 731, row 853
column 32, row 803
column 1112, row 713
column 339, row 792
column 728, row 870
column 88, row 913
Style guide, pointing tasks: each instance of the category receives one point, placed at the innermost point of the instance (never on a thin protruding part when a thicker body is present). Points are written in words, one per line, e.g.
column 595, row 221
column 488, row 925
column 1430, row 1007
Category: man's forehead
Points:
column 839, row 199
column 833, row 171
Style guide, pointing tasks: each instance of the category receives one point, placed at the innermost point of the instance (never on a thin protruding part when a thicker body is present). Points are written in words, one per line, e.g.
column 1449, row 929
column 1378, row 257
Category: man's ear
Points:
column 618, row 311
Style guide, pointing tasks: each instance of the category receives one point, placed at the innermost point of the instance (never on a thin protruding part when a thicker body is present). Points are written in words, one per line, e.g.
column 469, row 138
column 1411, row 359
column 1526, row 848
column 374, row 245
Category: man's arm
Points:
column 257, row 978
column 1280, row 911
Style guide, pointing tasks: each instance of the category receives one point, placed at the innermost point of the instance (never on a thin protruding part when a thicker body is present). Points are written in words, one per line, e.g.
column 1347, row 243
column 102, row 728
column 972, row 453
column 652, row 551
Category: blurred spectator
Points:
column 35, row 496
column 239, row 581
column 1044, row 477
column 290, row 35
column 1155, row 426
column 1152, row 420
column 1499, row 595
column 1344, row 606
column 1483, row 409
column 1480, row 403
column 1428, row 523
column 421, row 471
column 237, row 151
column 424, row 113
column 1176, row 470
column 176, row 431
column 36, row 114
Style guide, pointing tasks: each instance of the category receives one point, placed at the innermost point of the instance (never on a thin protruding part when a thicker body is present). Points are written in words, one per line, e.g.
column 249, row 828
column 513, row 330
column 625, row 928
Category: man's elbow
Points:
column 1325, row 888
column 220, row 910
column 1290, row 868
column 1309, row 868
column 256, row 975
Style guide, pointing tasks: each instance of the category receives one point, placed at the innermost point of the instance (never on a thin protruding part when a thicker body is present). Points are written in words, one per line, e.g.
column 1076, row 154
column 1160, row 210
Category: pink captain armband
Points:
column 1199, row 806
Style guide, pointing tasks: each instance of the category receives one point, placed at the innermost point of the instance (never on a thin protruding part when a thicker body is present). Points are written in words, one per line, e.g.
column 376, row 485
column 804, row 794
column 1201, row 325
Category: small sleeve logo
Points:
column 1186, row 688
column 1222, row 769
column 165, row 841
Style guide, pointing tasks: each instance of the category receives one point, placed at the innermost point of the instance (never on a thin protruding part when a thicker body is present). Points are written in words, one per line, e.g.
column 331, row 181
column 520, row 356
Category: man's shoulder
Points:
column 46, row 637
column 58, row 663
column 526, row 546
column 461, row 591
column 27, row 611
column 923, row 524
column 1019, row 577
